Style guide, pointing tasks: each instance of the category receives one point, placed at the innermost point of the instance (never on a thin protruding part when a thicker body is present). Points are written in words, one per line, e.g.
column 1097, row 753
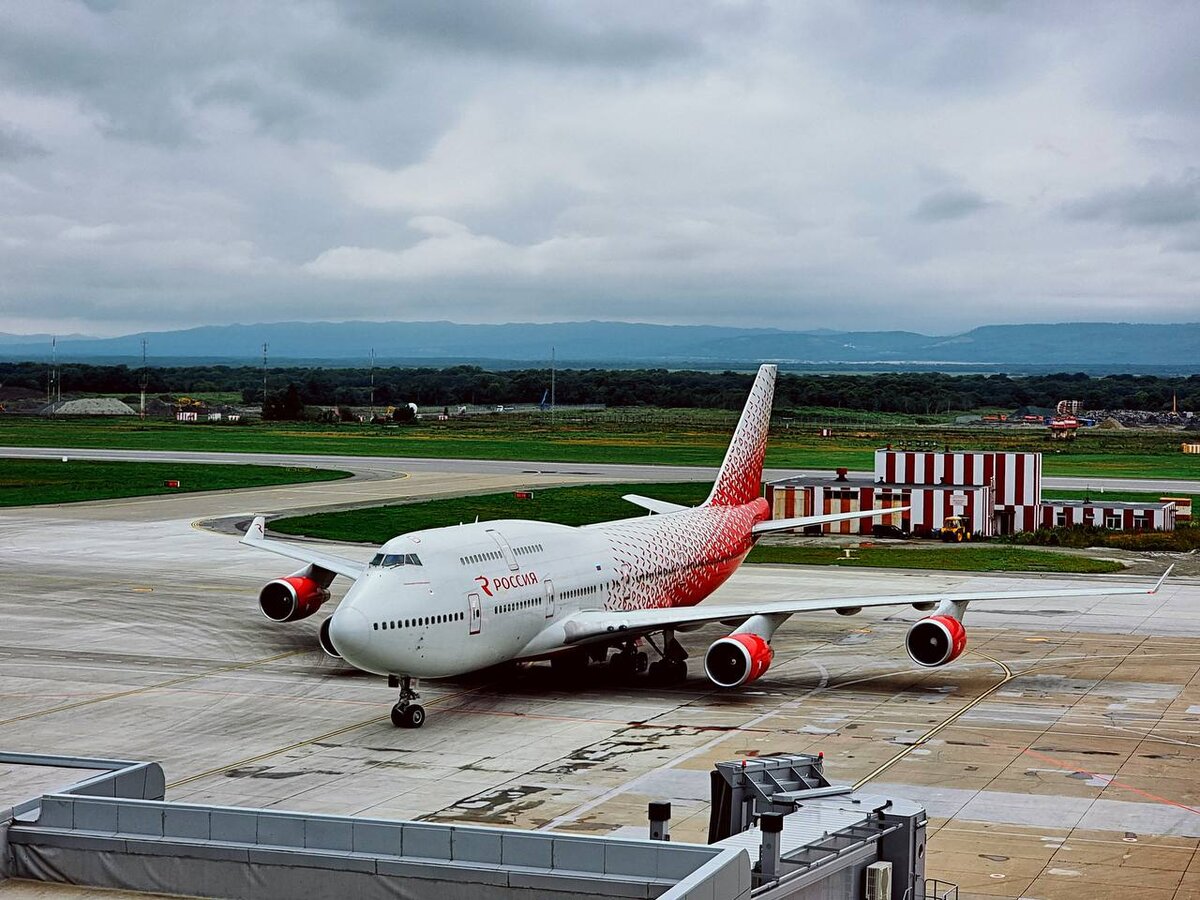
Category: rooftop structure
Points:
column 787, row 829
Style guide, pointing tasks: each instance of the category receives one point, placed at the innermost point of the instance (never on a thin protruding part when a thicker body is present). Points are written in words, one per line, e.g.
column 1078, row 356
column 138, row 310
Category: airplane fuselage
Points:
column 446, row 601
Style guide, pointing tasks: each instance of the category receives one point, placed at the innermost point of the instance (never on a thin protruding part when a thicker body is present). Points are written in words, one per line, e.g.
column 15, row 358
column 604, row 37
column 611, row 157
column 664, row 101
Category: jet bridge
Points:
column 812, row 838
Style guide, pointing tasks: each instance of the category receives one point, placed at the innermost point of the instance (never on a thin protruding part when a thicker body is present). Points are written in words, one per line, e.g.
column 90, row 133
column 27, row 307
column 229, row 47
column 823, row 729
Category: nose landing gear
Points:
column 406, row 714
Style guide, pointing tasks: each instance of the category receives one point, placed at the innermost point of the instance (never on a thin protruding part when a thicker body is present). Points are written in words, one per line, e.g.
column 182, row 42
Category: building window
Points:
column 1060, row 518
column 1112, row 520
column 1142, row 521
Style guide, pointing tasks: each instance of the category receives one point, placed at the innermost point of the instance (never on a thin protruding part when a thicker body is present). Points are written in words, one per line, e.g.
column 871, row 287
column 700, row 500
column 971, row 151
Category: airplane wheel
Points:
column 640, row 663
column 621, row 666
column 668, row 671
column 411, row 716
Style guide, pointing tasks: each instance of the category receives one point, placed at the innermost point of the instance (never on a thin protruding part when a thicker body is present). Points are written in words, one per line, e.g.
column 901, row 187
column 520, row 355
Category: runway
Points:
column 385, row 465
column 1057, row 758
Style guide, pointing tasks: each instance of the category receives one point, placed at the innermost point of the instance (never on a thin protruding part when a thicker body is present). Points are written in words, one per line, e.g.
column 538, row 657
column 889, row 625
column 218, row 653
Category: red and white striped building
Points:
column 929, row 504
column 1107, row 514
column 998, row 493
column 1016, row 479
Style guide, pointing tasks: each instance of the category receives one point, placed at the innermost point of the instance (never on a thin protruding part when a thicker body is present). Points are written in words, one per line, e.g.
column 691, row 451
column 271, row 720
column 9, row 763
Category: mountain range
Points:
column 1054, row 347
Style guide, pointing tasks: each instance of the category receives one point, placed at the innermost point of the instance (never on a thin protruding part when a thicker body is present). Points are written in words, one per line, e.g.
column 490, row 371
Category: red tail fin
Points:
column 740, row 478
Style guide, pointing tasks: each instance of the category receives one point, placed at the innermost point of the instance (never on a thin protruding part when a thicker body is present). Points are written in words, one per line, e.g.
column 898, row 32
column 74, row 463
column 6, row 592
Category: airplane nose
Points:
column 350, row 633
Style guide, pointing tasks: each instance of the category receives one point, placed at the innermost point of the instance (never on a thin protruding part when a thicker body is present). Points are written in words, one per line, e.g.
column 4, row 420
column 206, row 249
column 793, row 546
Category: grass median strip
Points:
column 581, row 505
column 26, row 482
column 955, row 559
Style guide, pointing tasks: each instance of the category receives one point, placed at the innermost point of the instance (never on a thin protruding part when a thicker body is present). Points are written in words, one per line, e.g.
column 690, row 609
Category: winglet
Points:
column 1154, row 590
column 655, row 506
column 256, row 533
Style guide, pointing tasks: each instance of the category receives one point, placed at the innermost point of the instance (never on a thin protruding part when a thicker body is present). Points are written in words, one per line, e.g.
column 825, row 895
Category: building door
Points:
column 474, row 614
column 549, row 597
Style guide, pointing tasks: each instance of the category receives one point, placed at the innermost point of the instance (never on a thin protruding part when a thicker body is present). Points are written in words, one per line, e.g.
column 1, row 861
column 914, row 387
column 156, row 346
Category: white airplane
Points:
column 447, row 601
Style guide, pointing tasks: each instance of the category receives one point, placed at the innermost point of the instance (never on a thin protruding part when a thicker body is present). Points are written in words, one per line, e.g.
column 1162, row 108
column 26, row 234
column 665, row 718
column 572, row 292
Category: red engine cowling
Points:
column 936, row 640
column 737, row 660
column 291, row 598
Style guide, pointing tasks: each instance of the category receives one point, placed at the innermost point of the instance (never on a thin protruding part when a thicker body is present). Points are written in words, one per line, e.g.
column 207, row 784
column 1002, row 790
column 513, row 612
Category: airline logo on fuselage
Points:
column 506, row 582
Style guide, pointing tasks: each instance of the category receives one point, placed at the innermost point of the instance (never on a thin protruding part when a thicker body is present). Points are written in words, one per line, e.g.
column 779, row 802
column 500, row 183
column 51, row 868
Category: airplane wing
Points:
column 256, row 537
column 588, row 626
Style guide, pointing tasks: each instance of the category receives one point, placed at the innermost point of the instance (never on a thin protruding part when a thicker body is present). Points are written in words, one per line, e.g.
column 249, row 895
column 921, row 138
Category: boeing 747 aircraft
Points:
column 447, row 601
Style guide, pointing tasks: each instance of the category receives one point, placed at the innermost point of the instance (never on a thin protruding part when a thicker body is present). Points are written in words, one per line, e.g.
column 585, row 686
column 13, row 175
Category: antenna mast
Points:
column 372, row 383
column 144, row 380
column 552, row 367
column 53, row 381
column 264, row 375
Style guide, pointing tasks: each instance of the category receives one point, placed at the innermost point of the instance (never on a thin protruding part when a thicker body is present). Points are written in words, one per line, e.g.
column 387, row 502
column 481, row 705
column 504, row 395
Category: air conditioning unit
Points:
column 879, row 881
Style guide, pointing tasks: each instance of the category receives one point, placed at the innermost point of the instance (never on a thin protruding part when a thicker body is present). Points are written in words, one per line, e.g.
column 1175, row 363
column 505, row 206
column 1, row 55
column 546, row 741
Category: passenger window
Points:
column 374, row 626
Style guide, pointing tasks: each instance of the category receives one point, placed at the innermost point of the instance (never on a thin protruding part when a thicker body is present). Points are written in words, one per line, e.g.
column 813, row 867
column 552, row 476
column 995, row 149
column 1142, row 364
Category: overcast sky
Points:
column 849, row 165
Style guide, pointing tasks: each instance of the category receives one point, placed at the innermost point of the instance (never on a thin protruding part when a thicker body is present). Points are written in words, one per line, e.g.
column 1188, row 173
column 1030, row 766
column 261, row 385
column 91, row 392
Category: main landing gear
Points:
column 672, row 667
column 406, row 714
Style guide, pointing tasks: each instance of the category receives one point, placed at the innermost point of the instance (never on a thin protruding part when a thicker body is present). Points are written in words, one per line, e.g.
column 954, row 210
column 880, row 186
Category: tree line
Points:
column 898, row 392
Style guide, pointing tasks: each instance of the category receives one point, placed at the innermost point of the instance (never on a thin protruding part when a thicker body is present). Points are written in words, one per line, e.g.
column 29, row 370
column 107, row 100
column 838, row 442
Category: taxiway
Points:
column 1057, row 758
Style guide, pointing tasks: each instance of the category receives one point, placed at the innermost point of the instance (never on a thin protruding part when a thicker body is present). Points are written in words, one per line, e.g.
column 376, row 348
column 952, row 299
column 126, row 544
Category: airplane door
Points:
column 549, row 597
column 474, row 613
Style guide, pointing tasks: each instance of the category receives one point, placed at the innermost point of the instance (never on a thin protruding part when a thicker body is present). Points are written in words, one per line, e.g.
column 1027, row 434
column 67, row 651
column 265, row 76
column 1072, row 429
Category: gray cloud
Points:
column 16, row 144
column 523, row 29
column 949, row 204
column 760, row 163
column 1157, row 203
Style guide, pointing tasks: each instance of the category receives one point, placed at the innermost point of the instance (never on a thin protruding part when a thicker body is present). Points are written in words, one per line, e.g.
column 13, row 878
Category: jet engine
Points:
column 936, row 640
column 737, row 659
column 294, row 597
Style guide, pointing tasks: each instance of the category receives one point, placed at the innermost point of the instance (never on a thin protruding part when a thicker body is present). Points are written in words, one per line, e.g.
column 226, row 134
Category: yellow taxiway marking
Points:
column 1009, row 675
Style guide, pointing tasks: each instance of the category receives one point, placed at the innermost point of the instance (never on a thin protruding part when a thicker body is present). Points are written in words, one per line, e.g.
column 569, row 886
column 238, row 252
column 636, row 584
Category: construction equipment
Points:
column 955, row 530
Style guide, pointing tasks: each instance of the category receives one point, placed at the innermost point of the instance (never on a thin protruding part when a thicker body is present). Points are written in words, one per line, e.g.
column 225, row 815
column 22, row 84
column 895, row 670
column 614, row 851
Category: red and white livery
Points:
column 446, row 601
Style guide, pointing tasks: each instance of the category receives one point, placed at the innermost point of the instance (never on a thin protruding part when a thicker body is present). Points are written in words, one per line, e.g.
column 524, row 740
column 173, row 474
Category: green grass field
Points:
column 665, row 437
column 581, row 505
column 25, row 482
column 1120, row 496
column 599, row 503
column 957, row 559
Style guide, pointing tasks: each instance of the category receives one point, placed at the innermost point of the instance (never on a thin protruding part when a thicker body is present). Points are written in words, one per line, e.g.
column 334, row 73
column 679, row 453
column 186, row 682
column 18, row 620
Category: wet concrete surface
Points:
column 129, row 633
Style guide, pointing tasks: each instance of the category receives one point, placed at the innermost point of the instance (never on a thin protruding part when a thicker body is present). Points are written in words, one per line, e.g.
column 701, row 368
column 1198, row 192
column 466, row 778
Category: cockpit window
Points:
column 396, row 559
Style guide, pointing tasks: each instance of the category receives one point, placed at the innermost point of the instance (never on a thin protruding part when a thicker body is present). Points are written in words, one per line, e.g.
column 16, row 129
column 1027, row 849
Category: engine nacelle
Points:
column 738, row 659
column 291, row 598
column 325, row 641
column 936, row 641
